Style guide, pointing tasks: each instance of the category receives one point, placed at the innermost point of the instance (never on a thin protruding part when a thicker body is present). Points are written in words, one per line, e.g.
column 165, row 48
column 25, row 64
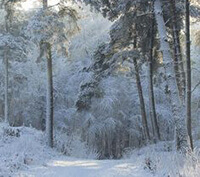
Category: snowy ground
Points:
column 27, row 155
column 68, row 167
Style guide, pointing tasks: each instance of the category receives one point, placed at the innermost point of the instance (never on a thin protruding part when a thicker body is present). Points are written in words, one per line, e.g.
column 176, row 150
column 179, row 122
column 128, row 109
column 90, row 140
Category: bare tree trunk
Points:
column 49, row 97
column 104, row 146
column 140, row 93
column 8, row 20
column 177, row 107
column 49, row 116
column 151, row 90
column 189, row 119
column 6, row 84
column 178, row 60
column 142, row 104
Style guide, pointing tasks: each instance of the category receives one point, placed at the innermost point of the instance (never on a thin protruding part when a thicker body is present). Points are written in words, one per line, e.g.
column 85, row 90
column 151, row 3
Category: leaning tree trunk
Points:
column 188, row 101
column 178, row 60
column 49, row 97
column 177, row 107
column 155, row 126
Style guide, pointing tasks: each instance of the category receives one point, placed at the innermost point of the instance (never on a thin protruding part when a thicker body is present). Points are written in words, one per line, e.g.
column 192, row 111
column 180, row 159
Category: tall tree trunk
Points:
column 151, row 90
column 49, row 97
column 8, row 21
column 140, row 92
column 142, row 104
column 177, row 107
column 6, row 84
column 178, row 60
column 187, row 24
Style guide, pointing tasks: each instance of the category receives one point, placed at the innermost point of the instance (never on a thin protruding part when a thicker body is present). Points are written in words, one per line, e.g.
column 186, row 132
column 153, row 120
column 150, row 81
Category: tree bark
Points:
column 49, row 97
column 8, row 21
column 188, row 101
column 142, row 104
column 177, row 107
column 140, row 92
column 151, row 90
column 6, row 84
column 178, row 60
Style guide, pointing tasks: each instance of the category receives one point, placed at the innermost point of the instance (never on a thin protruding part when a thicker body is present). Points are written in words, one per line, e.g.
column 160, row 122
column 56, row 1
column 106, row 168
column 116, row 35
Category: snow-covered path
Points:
column 68, row 167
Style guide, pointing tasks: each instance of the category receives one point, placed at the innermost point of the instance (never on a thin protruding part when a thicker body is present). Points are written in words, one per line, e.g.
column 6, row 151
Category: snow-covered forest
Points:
column 99, row 88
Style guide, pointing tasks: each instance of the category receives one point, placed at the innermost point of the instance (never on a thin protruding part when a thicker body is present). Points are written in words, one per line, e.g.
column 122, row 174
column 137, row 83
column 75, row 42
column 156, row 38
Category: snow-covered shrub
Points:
column 18, row 153
column 73, row 146
column 162, row 160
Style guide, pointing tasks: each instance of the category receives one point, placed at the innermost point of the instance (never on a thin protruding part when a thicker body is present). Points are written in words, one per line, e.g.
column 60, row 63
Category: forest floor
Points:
column 25, row 154
column 69, row 167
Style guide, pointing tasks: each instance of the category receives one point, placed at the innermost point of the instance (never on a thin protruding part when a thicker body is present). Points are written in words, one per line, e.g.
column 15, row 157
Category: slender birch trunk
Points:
column 151, row 90
column 188, row 101
column 177, row 107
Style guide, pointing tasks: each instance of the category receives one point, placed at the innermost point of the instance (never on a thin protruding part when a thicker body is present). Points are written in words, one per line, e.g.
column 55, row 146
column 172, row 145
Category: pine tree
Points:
column 177, row 107
column 152, row 108
column 49, row 30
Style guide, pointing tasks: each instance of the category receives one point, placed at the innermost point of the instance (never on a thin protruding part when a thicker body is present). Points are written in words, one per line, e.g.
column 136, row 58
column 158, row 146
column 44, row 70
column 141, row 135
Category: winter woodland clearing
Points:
column 99, row 88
